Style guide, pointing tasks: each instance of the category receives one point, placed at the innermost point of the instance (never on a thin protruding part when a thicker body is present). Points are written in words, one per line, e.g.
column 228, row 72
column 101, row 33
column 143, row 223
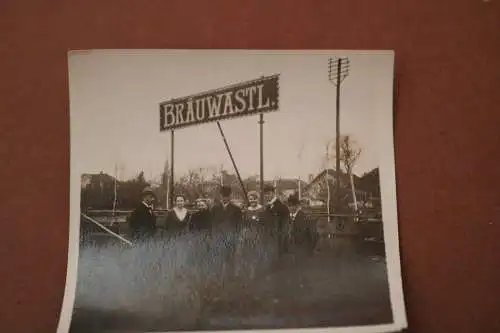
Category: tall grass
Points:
column 167, row 277
column 170, row 283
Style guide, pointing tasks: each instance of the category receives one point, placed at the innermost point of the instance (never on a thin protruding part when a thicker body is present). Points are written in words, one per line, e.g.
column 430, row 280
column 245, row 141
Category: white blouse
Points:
column 250, row 208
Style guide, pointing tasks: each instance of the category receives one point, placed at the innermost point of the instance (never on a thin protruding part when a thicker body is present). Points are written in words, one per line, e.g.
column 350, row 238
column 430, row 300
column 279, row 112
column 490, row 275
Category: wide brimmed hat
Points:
column 147, row 191
column 268, row 188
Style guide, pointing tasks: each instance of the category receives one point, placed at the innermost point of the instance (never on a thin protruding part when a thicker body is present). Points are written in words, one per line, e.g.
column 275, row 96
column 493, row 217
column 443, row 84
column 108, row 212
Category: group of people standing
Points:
column 285, row 223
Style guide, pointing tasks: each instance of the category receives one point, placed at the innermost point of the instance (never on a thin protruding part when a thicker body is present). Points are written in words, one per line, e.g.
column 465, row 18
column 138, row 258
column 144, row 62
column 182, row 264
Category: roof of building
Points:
column 331, row 172
column 97, row 176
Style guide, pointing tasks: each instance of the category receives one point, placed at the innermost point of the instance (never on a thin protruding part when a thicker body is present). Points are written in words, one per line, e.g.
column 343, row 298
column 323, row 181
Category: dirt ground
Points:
column 322, row 291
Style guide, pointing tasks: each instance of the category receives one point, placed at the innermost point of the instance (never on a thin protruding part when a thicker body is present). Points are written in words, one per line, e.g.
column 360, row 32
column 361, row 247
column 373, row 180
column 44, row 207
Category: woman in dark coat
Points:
column 201, row 219
column 178, row 218
column 250, row 240
column 301, row 229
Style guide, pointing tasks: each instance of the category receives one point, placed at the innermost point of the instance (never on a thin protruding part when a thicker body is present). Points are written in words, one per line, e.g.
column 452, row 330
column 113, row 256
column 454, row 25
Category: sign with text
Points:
column 243, row 99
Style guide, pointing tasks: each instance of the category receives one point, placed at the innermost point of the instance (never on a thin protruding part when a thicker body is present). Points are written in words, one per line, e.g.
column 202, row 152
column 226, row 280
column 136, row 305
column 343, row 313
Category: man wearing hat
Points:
column 302, row 233
column 227, row 218
column 226, row 213
column 273, row 203
column 142, row 221
column 276, row 216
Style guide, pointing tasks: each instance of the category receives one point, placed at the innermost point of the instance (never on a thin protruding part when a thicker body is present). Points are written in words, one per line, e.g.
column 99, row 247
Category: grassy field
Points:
column 191, row 282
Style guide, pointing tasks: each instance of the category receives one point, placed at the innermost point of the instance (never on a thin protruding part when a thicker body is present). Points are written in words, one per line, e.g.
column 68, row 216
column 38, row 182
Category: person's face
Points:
column 268, row 196
column 149, row 199
column 293, row 208
column 179, row 202
column 253, row 201
column 225, row 200
column 202, row 205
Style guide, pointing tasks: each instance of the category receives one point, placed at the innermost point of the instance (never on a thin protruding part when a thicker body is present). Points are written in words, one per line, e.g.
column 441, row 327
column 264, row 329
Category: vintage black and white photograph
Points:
column 217, row 190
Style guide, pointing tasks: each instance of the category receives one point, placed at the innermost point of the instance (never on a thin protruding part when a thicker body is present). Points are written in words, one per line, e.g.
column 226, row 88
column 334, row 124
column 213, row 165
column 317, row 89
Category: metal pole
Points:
column 172, row 164
column 337, row 140
column 328, row 194
column 221, row 175
column 232, row 160
column 261, row 125
column 353, row 193
column 300, row 189
column 167, row 199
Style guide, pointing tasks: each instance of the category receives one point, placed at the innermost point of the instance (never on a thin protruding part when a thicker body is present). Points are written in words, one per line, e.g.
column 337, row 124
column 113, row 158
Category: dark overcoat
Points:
column 142, row 222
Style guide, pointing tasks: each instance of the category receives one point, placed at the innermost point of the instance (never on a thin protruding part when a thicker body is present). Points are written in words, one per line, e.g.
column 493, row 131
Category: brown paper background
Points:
column 447, row 124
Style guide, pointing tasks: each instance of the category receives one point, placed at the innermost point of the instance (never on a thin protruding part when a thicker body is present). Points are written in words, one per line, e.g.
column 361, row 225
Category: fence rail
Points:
column 160, row 212
column 363, row 227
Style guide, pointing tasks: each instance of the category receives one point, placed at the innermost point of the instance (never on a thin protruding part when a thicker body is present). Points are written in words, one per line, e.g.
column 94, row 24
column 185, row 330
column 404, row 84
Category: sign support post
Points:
column 172, row 164
column 261, row 125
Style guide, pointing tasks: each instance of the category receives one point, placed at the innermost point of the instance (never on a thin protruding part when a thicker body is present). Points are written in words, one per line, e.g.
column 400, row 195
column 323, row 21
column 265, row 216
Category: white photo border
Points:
column 385, row 140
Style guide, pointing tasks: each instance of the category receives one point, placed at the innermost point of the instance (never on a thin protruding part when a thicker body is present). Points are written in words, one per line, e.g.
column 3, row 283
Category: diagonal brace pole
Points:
column 106, row 229
column 234, row 163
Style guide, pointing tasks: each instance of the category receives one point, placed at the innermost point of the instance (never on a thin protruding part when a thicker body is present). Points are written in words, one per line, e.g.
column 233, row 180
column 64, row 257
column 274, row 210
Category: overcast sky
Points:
column 115, row 96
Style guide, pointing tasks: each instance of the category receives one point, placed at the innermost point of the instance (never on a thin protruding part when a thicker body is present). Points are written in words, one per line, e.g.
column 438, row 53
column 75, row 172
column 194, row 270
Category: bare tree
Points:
column 204, row 176
column 349, row 153
column 199, row 182
column 156, row 181
column 221, row 174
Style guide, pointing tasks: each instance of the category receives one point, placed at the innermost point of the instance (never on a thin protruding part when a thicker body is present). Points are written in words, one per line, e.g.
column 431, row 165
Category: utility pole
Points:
column 328, row 195
column 338, row 70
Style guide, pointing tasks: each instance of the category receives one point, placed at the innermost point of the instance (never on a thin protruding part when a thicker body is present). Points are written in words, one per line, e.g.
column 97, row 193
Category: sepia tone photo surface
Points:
column 232, row 190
